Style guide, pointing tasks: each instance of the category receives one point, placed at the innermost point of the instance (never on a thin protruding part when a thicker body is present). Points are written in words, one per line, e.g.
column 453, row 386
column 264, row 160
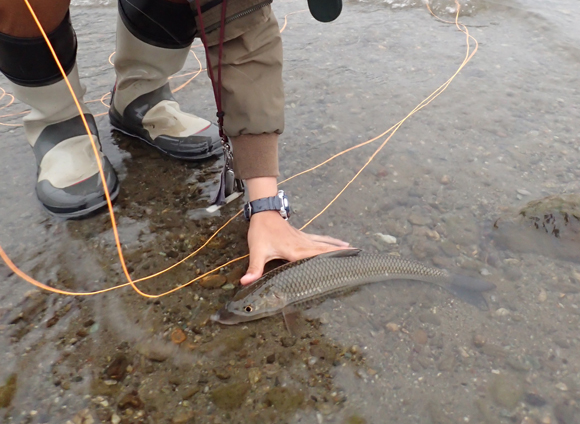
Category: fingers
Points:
column 328, row 240
column 255, row 269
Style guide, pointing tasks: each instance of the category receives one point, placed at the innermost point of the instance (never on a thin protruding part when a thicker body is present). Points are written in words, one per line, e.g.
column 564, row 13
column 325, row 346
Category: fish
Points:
column 327, row 274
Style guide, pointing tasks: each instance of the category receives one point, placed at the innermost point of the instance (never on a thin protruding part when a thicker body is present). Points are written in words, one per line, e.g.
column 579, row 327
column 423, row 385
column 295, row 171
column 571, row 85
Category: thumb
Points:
column 255, row 269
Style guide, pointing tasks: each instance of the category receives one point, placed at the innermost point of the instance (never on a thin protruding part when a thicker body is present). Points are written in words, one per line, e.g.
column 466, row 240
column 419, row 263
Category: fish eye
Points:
column 248, row 308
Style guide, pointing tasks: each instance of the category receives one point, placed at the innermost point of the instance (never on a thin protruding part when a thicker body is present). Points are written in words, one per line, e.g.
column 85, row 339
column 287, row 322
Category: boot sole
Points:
column 84, row 213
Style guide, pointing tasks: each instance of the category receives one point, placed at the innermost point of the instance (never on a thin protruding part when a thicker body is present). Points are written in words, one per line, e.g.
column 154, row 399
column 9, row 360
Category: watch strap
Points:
column 266, row 204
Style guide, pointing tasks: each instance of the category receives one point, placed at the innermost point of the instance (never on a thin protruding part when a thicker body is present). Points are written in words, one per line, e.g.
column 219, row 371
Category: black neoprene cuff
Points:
column 29, row 62
column 158, row 22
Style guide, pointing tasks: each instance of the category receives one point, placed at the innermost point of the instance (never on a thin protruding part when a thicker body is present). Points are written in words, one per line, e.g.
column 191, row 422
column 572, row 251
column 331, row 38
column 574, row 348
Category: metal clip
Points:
column 230, row 187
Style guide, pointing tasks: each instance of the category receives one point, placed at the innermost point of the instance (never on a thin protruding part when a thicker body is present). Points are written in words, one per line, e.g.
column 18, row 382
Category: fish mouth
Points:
column 223, row 316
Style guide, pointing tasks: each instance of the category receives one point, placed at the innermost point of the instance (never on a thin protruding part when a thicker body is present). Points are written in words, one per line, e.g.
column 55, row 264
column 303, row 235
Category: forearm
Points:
column 261, row 187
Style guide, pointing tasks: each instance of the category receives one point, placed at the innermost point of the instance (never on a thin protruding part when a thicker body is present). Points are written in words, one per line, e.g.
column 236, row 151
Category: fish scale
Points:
column 323, row 275
column 319, row 276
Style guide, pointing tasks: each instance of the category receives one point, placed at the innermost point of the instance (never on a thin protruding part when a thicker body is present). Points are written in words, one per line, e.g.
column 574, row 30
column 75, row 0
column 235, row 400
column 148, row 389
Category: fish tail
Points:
column 469, row 290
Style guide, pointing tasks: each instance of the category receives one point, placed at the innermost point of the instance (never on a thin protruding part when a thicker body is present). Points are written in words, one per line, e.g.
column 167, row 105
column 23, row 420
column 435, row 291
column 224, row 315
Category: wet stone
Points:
column 288, row 341
column 230, row 396
column 183, row 417
column 567, row 414
column 420, row 337
column 478, row 340
column 449, row 248
column 131, row 400
column 234, row 276
column 355, row 419
column 518, row 363
column 213, row 281
column 494, row 350
column 506, row 390
column 222, row 373
column 284, row 399
column 254, row 375
column 189, row 392
column 437, row 414
column 418, row 219
column 7, row 391
column 534, row 399
column 562, row 342
column 447, row 363
column 429, row 318
column 117, row 368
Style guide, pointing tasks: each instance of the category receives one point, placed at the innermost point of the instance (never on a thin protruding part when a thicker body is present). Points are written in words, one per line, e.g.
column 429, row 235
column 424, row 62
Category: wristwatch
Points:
column 275, row 203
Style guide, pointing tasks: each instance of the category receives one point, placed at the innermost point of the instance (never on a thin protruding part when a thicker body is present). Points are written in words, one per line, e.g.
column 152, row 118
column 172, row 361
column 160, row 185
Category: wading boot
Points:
column 68, row 184
column 148, row 53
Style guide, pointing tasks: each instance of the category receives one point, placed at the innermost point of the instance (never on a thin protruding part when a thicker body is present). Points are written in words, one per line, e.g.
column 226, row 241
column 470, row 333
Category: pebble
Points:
column 506, row 390
column 392, row 327
column 534, row 399
column 433, row 235
column 567, row 414
column 213, row 281
column 115, row 419
column 485, row 272
column 478, row 340
column 429, row 318
column 449, row 248
column 501, row 312
column 234, row 276
column 523, row 192
column 447, row 363
column 416, row 219
column 222, row 373
column 543, row 296
column 132, row 400
column 178, row 336
column 518, row 364
column 230, row 396
column 420, row 337
column 386, row 238
column 254, row 375
column 155, row 351
column 284, row 399
column 562, row 387
column 445, row 179
column 189, row 392
column 562, row 342
column 288, row 341
column 494, row 350
column 183, row 417
column 228, row 286
column 7, row 391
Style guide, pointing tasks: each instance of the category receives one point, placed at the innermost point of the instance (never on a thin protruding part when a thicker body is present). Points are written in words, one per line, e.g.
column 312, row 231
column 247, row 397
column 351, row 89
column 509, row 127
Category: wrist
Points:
column 261, row 187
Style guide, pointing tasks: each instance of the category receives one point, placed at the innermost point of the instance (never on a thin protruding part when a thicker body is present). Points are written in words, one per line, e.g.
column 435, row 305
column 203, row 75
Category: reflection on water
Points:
column 502, row 135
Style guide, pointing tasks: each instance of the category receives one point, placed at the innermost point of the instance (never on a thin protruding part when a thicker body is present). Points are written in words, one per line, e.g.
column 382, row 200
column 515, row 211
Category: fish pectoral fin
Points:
column 291, row 315
column 343, row 253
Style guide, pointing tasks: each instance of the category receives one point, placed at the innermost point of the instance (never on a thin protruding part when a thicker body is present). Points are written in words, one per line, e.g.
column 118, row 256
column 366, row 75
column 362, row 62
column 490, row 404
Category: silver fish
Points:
column 308, row 279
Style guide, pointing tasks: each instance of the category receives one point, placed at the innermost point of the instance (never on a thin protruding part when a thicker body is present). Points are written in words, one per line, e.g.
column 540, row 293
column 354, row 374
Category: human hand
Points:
column 272, row 237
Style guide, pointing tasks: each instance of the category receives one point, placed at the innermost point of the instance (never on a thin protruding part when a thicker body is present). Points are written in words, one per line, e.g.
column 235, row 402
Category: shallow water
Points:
column 504, row 133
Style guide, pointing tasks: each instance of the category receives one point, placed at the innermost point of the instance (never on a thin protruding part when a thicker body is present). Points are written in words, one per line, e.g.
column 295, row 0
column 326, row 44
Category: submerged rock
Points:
column 230, row 396
column 548, row 226
column 284, row 399
column 7, row 391
column 506, row 390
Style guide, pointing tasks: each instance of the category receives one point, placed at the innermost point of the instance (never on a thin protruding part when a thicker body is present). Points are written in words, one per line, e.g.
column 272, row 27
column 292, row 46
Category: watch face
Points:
column 247, row 211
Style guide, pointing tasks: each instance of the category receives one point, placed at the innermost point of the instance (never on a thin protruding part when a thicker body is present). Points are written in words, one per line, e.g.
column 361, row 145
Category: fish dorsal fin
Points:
column 339, row 253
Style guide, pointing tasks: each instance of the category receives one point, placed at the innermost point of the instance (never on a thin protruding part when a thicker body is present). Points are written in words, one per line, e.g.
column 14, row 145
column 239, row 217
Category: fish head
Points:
column 251, row 303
